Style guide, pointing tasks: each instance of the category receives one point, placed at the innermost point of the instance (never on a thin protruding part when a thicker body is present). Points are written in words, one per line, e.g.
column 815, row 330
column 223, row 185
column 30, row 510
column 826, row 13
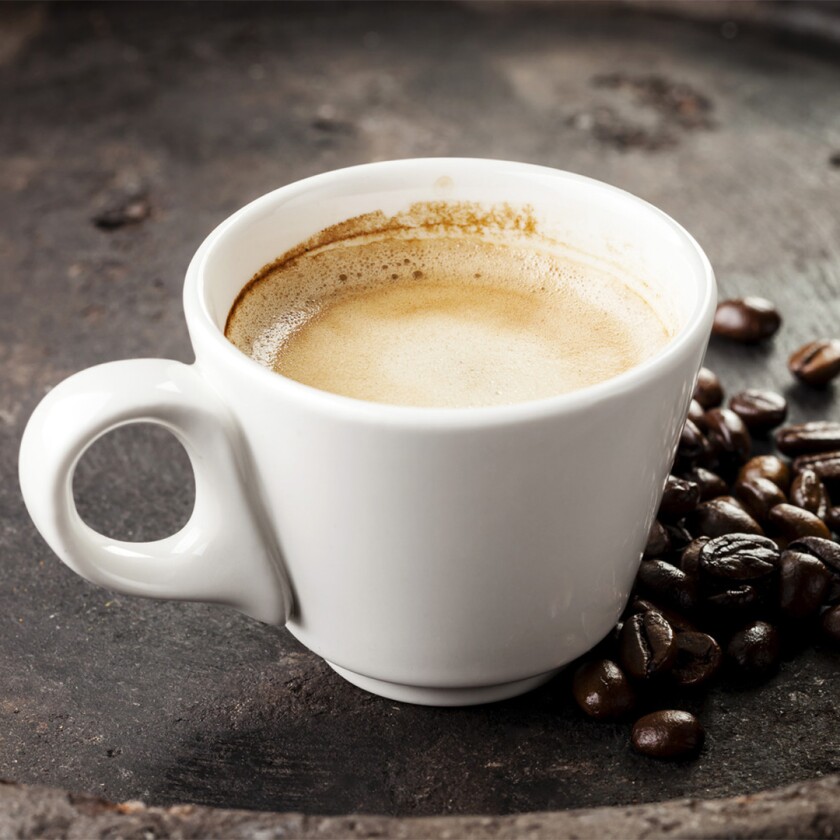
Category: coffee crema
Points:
column 443, row 320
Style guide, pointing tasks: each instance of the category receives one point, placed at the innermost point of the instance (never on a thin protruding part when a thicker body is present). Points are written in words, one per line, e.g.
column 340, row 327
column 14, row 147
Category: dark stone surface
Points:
column 809, row 810
column 129, row 132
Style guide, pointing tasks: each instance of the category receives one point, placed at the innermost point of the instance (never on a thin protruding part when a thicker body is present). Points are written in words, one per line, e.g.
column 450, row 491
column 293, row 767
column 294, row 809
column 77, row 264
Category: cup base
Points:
column 424, row 696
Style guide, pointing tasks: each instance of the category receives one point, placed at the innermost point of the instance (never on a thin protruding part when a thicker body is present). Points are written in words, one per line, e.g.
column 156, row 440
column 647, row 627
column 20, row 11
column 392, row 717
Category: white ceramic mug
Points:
column 438, row 556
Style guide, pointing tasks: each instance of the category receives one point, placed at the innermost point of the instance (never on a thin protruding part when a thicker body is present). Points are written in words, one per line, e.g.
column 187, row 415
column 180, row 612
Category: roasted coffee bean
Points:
column 755, row 649
column 692, row 443
column 760, row 410
column 656, row 574
column 741, row 600
column 728, row 438
column 696, row 413
column 603, row 691
column 658, row 541
column 698, row 659
column 803, row 584
column 808, row 438
column 680, row 497
column 719, row 516
column 746, row 320
column 825, row 464
column 667, row 583
column 646, row 645
column 708, row 391
column 809, row 493
column 711, row 484
column 677, row 620
column 690, row 557
column 830, row 624
column 788, row 522
column 767, row 466
column 832, row 519
column 679, row 535
column 738, row 558
column 827, row 552
column 758, row 496
column 668, row 734
column 732, row 500
column 817, row 362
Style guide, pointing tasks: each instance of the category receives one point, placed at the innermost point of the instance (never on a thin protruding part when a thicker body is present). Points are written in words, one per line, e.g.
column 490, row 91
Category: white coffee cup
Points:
column 432, row 555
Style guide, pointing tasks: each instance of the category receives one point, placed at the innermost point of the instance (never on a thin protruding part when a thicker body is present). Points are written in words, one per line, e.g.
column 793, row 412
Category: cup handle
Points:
column 226, row 553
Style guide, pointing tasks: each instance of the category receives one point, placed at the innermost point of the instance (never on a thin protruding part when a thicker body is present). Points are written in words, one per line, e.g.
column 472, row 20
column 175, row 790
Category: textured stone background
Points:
column 129, row 131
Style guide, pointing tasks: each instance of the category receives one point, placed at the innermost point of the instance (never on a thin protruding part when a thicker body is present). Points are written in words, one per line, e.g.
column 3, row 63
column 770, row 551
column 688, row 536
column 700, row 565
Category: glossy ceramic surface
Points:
column 440, row 556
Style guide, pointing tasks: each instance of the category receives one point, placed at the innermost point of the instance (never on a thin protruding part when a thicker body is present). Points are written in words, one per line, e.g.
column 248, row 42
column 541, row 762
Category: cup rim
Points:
column 696, row 327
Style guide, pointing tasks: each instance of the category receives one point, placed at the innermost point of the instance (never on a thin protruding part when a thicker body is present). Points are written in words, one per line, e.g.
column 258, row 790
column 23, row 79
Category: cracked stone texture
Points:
column 131, row 132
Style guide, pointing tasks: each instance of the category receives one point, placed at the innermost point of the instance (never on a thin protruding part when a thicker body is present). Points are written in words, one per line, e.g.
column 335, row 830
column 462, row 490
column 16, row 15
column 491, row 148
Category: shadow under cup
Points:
column 458, row 555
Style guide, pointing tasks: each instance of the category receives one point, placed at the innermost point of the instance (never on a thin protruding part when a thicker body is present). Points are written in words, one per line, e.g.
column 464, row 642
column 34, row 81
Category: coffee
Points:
column 446, row 321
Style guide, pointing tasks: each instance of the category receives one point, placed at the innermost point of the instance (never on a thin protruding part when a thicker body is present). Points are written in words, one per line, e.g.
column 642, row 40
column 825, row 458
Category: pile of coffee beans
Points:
column 741, row 556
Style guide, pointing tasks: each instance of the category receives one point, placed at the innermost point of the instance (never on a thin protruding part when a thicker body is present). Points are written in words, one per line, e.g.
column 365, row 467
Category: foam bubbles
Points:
column 443, row 321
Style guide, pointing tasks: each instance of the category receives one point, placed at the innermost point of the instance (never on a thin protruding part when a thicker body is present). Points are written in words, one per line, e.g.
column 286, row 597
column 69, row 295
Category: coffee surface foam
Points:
column 444, row 321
